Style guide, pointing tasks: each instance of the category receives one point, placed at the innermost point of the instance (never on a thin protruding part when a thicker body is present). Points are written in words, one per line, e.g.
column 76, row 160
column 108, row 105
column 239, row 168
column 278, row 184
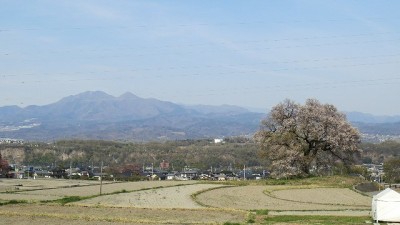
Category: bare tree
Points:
column 297, row 138
column 4, row 167
column 392, row 170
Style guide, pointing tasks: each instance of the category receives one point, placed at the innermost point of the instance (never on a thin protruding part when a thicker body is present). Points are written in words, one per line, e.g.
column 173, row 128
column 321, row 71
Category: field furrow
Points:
column 167, row 197
column 253, row 197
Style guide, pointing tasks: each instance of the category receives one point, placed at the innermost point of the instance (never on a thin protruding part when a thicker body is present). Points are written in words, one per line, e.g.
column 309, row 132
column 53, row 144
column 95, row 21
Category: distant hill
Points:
column 92, row 106
column 369, row 118
column 97, row 115
column 375, row 125
column 392, row 129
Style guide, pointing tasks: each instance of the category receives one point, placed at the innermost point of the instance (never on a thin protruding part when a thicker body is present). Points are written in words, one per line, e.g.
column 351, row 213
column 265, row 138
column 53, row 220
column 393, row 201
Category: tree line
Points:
column 294, row 140
column 201, row 154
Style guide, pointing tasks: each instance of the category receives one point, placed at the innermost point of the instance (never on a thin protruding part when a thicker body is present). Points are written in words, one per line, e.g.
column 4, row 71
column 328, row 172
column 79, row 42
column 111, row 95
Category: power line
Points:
column 235, row 70
column 259, row 89
column 285, row 88
column 190, row 25
column 217, row 65
column 258, row 48
column 295, row 87
column 188, row 44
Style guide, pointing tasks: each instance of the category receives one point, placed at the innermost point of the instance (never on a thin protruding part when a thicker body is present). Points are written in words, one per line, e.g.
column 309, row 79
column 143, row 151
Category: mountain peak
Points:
column 128, row 95
column 94, row 94
column 369, row 118
column 88, row 96
column 221, row 109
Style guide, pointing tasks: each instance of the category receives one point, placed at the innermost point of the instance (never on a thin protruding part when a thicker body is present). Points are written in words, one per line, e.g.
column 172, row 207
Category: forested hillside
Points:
column 201, row 154
column 380, row 152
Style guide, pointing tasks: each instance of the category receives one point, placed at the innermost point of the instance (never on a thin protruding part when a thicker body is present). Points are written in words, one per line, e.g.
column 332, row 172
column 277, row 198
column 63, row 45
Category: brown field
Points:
column 27, row 197
column 331, row 196
column 10, row 185
column 35, row 214
column 171, row 202
column 257, row 197
column 168, row 197
column 110, row 188
column 51, row 191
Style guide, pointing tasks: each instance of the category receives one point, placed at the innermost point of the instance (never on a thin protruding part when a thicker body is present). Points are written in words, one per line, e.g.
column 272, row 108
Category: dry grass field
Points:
column 168, row 197
column 328, row 196
column 34, row 190
column 47, row 214
column 274, row 198
column 179, row 202
column 11, row 185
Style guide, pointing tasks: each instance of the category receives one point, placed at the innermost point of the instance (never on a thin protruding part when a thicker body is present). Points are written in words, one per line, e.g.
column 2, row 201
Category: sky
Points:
column 253, row 53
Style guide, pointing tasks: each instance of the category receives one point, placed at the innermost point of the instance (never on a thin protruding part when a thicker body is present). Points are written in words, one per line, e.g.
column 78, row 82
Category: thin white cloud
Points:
column 97, row 10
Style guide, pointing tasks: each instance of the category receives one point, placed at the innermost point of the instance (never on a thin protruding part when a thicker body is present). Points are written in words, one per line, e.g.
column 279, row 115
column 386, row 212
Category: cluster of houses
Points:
column 11, row 141
column 128, row 171
column 375, row 172
column 196, row 174
column 163, row 172
column 188, row 173
column 22, row 172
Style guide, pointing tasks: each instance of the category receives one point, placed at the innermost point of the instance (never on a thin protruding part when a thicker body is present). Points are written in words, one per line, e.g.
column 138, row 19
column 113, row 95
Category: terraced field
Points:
column 168, row 197
column 274, row 198
column 172, row 202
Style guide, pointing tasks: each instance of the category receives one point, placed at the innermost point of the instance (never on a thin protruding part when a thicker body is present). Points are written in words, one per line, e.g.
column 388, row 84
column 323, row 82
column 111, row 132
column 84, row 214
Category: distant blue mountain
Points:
column 369, row 118
column 97, row 115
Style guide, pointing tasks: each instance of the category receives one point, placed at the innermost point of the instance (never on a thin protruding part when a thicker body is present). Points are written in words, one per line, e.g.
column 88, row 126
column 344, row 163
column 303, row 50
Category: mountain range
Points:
column 97, row 115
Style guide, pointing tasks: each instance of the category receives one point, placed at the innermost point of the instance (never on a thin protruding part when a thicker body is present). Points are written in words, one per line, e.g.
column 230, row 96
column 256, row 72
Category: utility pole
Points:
column 101, row 176
column 244, row 172
column 70, row 170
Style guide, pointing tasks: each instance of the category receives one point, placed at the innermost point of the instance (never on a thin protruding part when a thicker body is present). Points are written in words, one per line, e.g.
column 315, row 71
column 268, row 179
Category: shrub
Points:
column 13, row 202
column 69, row 199
column 262, row 212
column 230, row 223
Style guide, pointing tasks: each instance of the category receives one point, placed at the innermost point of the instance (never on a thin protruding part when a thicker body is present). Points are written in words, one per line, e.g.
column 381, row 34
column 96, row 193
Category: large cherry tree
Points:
column 300, row 138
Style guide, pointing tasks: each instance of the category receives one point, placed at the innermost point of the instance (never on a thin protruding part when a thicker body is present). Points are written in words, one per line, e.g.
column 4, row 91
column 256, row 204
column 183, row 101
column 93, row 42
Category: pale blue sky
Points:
column 246, row 53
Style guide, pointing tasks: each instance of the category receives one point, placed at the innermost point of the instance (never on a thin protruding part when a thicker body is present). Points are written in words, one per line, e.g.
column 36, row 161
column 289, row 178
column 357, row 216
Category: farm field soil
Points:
column 166, row 197
column 337, row 196
column 253, row 197
column 37, row 184
column 172, row 202
column 27, row 197
column 89, row 188
column 37, row 214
